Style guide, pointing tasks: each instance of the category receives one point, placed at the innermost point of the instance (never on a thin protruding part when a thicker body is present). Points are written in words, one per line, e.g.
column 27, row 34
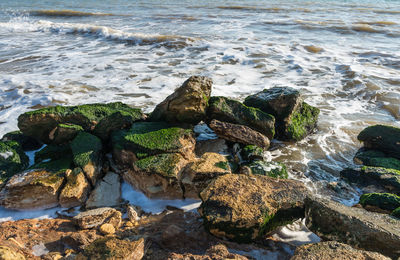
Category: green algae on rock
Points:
column 87, row 154
column 385, row 201
column 232, row 111
column 271, row 169
column 242, row 207
column 53, row 152
column 252, row 152
column 187, row 104
column 383, row 138
column 40, row 123
column 27, row 143
column 376, row 159
column 301, row 123
column 12, row 159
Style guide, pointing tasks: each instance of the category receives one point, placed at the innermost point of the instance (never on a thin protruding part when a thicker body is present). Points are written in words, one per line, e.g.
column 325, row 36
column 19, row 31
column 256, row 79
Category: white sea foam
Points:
column 8, row 214
column 6, row 155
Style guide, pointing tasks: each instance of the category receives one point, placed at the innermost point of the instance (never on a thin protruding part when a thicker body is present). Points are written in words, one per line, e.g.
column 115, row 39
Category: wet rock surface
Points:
column 382, row 138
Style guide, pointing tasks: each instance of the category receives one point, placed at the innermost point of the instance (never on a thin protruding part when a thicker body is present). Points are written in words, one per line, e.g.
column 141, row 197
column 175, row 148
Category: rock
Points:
column 271, row 169
column 239, row 133
column 252, row 152
column 232, row 111
column 243, row 208
column 172, row 233
column 96, row 217
column 383, row 179
column 133, row 215
column 79, row 240
column 109, row 248
column 64, row 133
column 396, row 213
column 382, row 138
column 100, row 119
column 76, row 189
column 199, row 174
column 12, row 160
column 367, row 230
column 151, row 138
column 87, row 154
column 385, row 201
column 32, row 189
column 294, row 118
column 107, row 229
column 211, row 146
column 376, row 159
column 7, row 253
column 333, row 250
column 187, row 104
column 157, row 176
column 217, row 252
column 107, row 192
column 53, row 152
column 27, row 143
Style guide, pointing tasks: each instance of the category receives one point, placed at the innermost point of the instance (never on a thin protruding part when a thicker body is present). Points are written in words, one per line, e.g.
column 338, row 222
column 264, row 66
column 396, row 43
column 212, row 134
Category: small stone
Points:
column 96, row 217
column 107, row 229
column 132, row 213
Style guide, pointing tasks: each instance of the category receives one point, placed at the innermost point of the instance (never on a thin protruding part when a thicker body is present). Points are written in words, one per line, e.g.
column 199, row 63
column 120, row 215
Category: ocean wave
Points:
column 65, row 13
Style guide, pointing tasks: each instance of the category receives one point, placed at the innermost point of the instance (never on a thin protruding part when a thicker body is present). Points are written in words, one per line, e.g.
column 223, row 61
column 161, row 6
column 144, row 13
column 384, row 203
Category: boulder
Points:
column 107, row 192
column 146, row 139
column 94, row 218
column 382, row 138
column 187, row 104
column 27, row 143
column 271, row 169
column 232, row 111
column 87, row 154
column 294, row 118
column 6, row 253
column 382, row 179
column 363, row 229
column 76, row 189
column 100, row 119
column 242, row 207
column 64, row 133
column 110, row 248
column 199, row 174
column 239, row 133
column 385, row 201
column 376, row 158
column 332, row 250
column 158, row 175
column 12, row 160
column 32, row 189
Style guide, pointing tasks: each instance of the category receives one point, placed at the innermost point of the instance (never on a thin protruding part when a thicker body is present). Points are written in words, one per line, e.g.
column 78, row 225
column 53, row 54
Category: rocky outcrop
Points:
column 367, row 230
column 333, row 250
column 12, row 160
column 76, row 189
column 27, row 143
column 243, row 208
column 295, row 119
column 109, row 248
column 87, row 154
column 384, row 201
column 187, row 104
column 96, row 217
column 232, row 111
column 100, row 119
column 239, row 133
column 107, row 192
column 200, row 173
column 382, row 138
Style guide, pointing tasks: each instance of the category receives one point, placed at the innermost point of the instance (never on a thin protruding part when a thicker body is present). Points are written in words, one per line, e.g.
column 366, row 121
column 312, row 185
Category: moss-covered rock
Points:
column 99, row 118
column 87, row 154
column 202, row 171
column 27, row 143
column 252, row 152
column 64, row 133
column 385, row 201
column 53, row 152
column 271, row 169
column 157, row 175
column 76, row 189
column 301, row 123
column 242, row 207
column 12, row 160
column 187, row 104
column 232, row 111
column 383, row 138
column 376, row 159
column 396, row 213
column 151, row 138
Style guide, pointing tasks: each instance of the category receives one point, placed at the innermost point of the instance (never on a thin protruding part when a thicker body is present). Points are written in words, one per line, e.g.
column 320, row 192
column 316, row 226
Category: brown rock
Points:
column 239, row 133
column 96, row 217
column 187, row 104
column 79, row 240
column 217, row 252
column 7, row 253
column 76, row 189
column 333, row 250
column 242, row 207
column 32, row 189
column 107, row 229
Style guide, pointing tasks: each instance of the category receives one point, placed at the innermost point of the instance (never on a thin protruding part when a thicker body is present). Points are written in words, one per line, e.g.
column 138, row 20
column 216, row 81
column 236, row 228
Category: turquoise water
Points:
column 342, row 55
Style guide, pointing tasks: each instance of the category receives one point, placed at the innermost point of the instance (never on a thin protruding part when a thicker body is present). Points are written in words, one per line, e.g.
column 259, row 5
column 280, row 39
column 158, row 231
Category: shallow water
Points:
column 342, row 55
